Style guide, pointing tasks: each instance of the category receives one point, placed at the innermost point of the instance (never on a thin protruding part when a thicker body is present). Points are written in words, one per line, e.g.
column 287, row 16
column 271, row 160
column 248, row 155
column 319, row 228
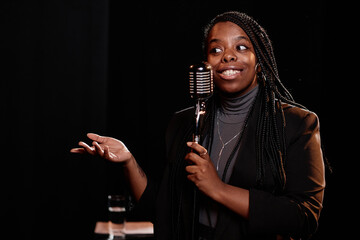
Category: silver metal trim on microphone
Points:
column 201, row 88
column 201, row 81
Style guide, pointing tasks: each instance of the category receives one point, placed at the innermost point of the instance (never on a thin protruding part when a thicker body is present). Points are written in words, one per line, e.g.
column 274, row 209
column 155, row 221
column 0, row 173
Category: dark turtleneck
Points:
column 229, row 121
column 231, row 117
column 234, row 110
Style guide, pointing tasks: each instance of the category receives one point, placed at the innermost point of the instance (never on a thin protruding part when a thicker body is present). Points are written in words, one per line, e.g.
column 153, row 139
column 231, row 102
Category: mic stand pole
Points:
column 199, row 119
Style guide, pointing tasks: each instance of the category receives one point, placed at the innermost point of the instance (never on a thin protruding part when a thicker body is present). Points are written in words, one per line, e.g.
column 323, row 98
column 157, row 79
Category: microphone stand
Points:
column 201, row 88
column 199, row 119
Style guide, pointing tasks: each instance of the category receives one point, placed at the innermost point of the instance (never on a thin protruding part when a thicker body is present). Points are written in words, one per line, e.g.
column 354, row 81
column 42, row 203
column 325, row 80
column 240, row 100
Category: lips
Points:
column 229, row 73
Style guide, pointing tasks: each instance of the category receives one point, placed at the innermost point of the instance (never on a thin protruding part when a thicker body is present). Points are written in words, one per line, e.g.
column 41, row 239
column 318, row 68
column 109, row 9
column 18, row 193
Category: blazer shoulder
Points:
column 180, row 120
column 297, row 115
column 184, row 112
column 182, row 117
column 177, row 129
column 299, row 121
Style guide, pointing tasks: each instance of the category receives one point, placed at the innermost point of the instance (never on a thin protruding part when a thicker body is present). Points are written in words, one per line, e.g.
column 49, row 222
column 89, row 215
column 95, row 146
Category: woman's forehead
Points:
column 226, row 29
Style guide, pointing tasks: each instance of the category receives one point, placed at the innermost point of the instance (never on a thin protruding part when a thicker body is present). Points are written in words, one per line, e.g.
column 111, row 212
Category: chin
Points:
column 235, row 90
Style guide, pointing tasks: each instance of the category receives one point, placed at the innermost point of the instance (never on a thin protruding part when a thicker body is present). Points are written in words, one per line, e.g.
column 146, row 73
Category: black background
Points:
column 119, row 69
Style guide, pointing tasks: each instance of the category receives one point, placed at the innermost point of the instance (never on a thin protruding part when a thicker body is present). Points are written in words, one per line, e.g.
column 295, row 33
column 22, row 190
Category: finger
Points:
column 107, row 153
column 96, row 137
column 191, row 178
column 193, row 158
column 191, row 169
column 98, row 148
column 77, row 150
column 200, row 149
column 194, row 178
column 87, row 148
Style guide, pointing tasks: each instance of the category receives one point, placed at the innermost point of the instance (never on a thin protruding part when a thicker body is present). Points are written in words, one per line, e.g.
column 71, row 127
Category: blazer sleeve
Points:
column 296, row 211
column 154, row 203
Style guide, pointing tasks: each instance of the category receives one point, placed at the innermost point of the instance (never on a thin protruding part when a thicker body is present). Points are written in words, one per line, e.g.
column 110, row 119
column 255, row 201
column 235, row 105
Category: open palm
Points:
column 109, row 148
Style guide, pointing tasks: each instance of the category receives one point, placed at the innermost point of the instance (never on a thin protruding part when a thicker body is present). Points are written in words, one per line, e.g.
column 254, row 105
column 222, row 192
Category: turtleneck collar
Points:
column 238, row 105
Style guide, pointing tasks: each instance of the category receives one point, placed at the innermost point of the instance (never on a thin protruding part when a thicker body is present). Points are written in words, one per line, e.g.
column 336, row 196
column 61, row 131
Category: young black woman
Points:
column 259, row 170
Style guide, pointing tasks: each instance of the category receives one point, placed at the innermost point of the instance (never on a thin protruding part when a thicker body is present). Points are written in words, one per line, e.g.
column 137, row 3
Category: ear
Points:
column 257, row 67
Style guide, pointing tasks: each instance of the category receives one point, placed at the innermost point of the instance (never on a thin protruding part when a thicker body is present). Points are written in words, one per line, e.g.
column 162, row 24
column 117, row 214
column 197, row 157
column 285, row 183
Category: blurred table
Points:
column 133, row 230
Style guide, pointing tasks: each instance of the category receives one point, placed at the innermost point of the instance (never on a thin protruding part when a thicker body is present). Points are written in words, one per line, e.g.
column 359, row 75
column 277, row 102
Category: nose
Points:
column 229, row 56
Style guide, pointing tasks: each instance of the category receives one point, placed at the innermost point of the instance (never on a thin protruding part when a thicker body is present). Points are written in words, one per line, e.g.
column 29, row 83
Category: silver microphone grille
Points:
column 201, row 81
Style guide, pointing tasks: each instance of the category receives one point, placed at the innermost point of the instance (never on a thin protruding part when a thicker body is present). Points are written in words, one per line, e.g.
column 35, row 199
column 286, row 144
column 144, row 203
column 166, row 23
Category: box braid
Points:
column 270, row 145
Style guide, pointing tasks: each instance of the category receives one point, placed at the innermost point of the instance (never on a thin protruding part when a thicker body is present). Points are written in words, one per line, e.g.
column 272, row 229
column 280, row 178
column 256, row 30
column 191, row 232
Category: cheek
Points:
column 249, row 60
column 213, row 61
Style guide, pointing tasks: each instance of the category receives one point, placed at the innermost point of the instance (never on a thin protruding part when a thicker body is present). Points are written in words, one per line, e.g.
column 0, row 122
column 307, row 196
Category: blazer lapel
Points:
column 246, row 157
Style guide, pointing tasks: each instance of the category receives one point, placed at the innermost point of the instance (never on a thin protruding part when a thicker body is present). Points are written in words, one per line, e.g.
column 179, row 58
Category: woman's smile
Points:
column 229, row 72
column 232, row 56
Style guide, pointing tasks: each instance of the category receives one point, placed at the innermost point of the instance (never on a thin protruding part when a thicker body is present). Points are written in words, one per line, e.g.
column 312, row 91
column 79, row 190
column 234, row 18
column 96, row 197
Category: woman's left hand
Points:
column 202, row 171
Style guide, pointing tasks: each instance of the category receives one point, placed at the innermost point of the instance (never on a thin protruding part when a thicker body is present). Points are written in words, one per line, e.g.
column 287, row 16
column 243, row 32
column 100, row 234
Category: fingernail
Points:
column 189, row 144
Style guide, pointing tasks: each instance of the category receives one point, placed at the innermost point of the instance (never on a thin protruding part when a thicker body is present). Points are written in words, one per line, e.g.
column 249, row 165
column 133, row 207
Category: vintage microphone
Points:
column 201, row 88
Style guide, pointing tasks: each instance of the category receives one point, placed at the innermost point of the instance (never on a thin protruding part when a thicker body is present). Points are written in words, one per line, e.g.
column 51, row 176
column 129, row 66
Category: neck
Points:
column 237, row 105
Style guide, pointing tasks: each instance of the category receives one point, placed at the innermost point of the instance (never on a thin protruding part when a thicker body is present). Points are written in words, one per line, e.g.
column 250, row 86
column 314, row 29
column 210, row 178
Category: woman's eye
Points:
column 215, row 50
column 241, row 47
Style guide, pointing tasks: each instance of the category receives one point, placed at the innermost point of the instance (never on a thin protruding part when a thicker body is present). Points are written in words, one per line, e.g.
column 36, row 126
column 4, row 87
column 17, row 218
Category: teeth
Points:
column 230, row 72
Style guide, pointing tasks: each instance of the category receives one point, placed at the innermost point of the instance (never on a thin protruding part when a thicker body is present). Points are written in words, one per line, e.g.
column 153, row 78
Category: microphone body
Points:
column 201, row 88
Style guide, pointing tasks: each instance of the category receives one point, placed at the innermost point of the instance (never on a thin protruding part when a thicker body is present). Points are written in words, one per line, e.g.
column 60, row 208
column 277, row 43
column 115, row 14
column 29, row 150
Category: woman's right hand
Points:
column 106, row 147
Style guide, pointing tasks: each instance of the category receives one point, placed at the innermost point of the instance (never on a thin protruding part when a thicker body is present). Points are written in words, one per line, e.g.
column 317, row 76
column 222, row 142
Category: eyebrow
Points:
column 238, row 38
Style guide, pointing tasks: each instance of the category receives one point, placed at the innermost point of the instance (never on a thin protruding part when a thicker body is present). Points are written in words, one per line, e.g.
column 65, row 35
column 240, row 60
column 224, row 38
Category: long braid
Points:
column 271, row 145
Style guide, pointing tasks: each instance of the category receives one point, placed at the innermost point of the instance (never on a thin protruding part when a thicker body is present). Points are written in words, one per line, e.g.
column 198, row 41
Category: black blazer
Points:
column 294, row 213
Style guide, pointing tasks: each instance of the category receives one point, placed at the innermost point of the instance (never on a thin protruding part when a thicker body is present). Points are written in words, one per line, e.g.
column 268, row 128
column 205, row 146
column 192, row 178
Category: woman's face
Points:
column 232, row 57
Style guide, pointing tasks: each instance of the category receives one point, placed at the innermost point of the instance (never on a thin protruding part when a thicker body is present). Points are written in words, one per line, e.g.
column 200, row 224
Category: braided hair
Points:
column 270, row 144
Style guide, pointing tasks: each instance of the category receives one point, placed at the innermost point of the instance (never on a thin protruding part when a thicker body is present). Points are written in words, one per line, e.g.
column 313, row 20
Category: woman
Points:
column 259, row 170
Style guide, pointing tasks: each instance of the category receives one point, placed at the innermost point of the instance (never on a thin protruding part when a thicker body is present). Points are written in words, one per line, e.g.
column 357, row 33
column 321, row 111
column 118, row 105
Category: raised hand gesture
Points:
column 106, row 147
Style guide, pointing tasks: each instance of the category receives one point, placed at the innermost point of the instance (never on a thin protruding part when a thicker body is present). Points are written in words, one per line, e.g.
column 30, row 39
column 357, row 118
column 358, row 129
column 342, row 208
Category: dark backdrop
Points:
column 119, row 69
